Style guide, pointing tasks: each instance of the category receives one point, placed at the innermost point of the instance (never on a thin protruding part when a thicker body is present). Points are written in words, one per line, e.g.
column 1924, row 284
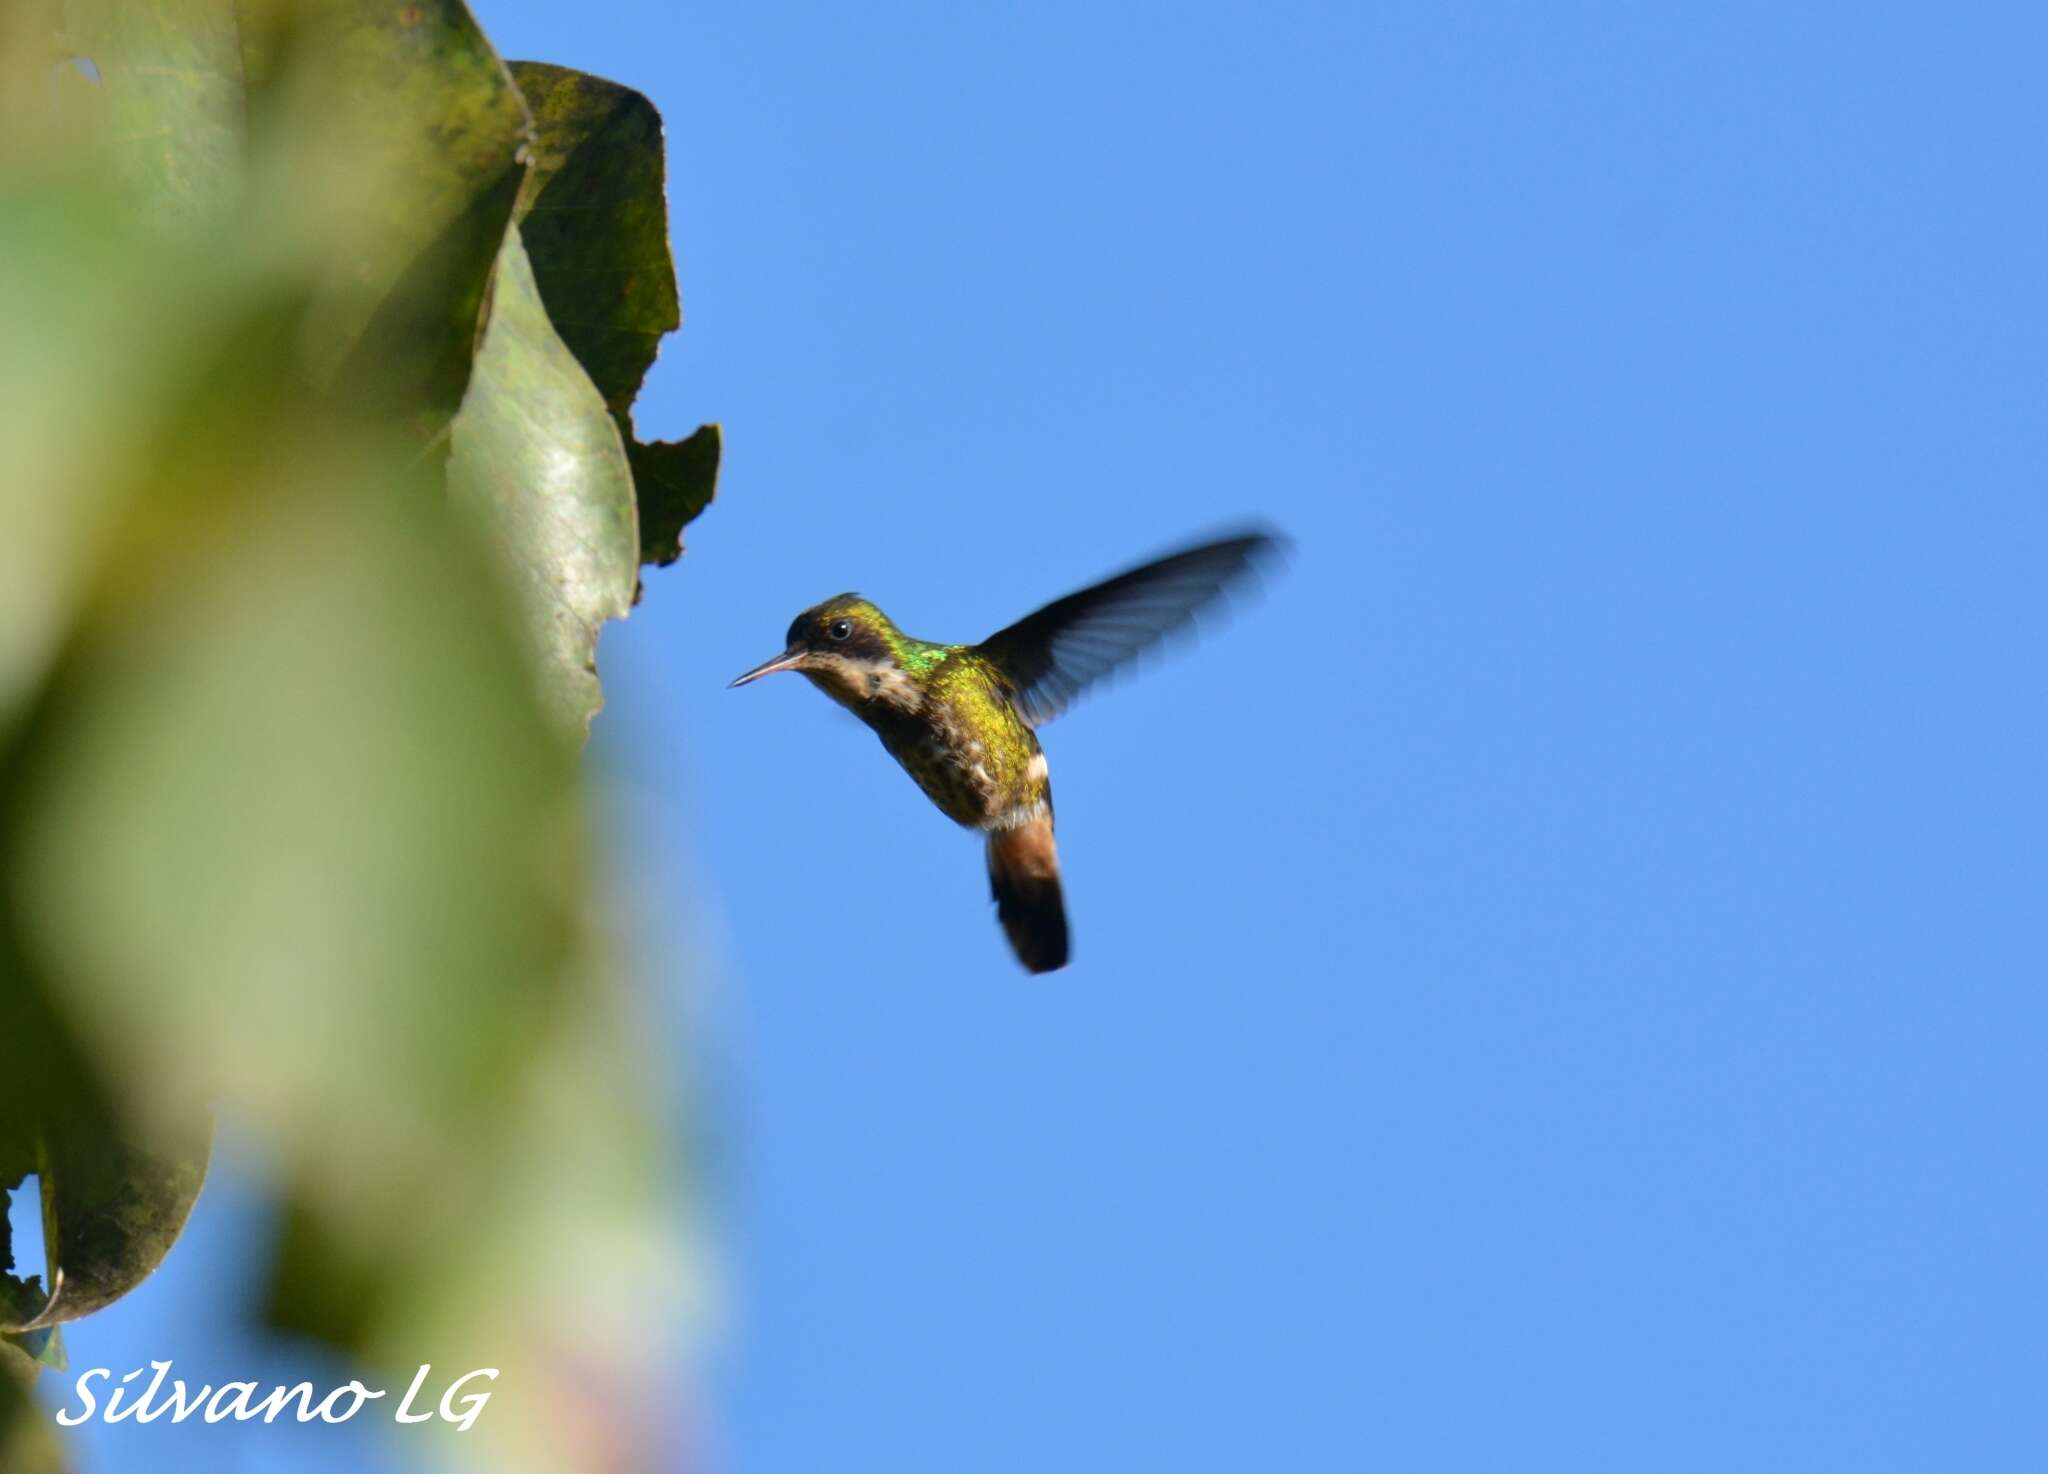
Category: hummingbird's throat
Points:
column 856, row 682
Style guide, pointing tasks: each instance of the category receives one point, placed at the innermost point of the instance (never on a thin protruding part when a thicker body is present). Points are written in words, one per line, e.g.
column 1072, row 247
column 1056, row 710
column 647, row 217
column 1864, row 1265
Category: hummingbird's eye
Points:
column 839, row 629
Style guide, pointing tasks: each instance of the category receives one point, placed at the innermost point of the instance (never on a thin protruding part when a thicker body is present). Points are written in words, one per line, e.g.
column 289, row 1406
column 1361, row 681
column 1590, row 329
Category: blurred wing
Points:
column 1055, row 654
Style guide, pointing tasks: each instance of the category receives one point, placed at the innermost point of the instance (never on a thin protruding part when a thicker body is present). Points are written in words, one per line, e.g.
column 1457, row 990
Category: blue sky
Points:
column 1558, row 982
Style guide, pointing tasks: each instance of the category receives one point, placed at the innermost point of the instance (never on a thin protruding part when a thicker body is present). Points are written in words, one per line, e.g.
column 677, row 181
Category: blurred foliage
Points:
column 324, row 328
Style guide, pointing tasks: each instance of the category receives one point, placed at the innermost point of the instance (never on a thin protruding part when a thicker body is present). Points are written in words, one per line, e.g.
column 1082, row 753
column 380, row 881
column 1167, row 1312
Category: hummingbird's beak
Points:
column 789, row 659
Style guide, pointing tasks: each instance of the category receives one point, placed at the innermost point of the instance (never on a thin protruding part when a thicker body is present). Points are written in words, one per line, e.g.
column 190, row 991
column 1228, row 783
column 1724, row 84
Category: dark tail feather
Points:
column 1024, row 877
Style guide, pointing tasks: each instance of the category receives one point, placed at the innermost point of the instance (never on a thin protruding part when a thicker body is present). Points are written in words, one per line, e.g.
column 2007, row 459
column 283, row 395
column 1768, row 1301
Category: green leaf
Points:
column 594, row 216
column 676, row 480
column 112, row 1209
column 536, row 451
column 595, row 220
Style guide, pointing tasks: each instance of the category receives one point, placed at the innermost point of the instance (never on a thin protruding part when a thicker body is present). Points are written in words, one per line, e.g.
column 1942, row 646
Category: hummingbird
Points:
column 963, row 720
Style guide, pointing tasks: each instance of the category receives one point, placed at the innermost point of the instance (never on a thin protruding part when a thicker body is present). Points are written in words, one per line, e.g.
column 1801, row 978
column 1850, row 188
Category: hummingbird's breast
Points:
column 968, row 748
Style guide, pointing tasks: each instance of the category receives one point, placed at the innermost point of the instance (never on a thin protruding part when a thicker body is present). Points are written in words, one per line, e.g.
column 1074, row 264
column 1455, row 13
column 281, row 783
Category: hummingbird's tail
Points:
column 1024, row 877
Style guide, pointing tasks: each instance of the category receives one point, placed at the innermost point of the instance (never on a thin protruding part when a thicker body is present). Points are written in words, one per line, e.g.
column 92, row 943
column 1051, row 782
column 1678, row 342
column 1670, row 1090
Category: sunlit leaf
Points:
column 538, row 454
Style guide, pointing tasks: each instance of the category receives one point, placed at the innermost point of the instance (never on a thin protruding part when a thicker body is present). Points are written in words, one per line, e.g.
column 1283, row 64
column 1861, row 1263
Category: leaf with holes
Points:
column 594, row 218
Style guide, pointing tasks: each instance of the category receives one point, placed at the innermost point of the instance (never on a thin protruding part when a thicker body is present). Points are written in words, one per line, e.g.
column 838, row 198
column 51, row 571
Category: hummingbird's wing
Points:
column 1050, row 657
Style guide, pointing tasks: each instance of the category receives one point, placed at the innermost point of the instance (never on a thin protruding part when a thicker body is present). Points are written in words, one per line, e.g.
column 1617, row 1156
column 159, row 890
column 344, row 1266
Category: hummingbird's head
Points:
column 849, row 649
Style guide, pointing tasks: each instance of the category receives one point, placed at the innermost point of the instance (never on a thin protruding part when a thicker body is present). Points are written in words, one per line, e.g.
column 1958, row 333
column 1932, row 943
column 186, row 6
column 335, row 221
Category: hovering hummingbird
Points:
column 963, row 719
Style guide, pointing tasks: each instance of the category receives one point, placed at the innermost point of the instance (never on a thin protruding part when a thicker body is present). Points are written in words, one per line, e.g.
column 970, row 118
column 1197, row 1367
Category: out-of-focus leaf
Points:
column 364, row 84
column 404, row 115
column 594, row 216
column 283, row 821
column 171, row 72
column 423, row 224
column 296, row 814
column 576, row 1292
column 536, row 451
column 28, row 1436
column 290, row 823
column 83, row 287
column 96, row 314
column 676, row 480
